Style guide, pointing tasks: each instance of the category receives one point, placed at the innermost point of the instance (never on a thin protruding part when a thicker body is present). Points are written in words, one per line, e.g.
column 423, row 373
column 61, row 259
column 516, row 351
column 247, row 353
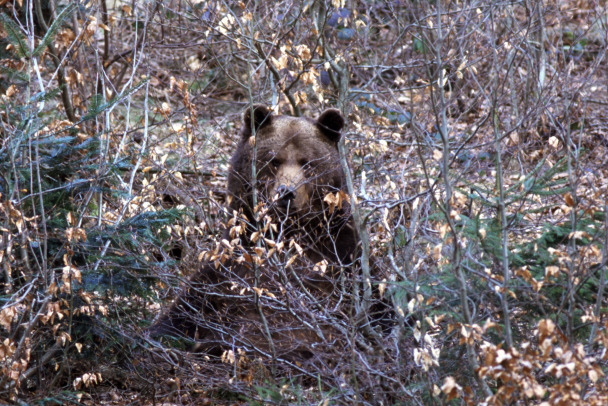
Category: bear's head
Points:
column 296, row 161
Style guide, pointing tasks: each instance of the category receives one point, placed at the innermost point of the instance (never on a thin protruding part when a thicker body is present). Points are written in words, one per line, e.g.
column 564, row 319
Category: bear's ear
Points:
column 330, row 122
column 262, row 117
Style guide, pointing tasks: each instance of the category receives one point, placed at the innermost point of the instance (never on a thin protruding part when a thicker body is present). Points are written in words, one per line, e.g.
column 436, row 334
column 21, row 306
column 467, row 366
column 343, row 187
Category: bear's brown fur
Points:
column 286, row 302
column 297, row 158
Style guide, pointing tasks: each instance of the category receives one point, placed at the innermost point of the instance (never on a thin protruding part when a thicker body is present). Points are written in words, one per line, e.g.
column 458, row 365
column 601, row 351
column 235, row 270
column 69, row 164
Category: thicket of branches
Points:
column 477, row 141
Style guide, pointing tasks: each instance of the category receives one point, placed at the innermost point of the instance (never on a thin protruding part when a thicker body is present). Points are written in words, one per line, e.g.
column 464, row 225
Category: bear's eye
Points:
column 275, row 163
column 303, row 163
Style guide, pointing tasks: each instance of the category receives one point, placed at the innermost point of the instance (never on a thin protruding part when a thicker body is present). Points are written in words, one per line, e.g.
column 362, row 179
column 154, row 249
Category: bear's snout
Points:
column 286, row 195
column 290, row 190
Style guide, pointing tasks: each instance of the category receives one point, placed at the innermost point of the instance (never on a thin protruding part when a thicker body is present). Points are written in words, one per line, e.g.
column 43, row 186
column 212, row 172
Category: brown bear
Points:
column 284, row 289
column 297, row 164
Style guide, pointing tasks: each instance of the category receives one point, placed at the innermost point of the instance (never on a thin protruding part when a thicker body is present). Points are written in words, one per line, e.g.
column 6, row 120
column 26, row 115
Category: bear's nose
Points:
column 286, row 195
